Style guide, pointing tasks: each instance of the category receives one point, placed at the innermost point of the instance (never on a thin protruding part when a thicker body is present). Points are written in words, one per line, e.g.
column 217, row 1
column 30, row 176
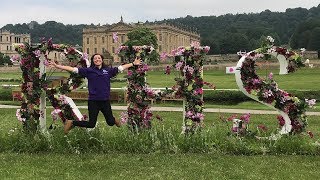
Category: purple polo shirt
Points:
column 98, row 81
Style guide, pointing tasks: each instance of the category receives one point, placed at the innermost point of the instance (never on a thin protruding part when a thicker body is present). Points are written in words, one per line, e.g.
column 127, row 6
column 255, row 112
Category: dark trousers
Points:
column 94, row 107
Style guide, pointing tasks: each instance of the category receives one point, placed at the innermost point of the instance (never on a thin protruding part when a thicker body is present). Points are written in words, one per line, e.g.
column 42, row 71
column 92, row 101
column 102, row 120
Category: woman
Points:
column 98, row 75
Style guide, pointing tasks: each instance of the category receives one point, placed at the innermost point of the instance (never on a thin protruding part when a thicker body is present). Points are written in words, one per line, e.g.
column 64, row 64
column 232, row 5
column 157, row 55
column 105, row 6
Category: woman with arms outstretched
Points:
column 98, row 75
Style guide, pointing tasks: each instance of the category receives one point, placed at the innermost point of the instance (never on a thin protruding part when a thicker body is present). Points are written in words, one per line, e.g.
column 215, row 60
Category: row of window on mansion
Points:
column 166, row 44
column 11, row 39
column 7, row 41
column 122, row 38
column 114, row 49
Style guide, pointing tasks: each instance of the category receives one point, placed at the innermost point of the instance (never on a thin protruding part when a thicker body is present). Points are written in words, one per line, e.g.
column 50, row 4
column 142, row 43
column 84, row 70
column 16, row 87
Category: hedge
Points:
column 212, row 96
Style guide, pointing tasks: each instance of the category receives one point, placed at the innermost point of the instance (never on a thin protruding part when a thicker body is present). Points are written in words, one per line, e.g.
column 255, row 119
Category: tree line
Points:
column 229, row 33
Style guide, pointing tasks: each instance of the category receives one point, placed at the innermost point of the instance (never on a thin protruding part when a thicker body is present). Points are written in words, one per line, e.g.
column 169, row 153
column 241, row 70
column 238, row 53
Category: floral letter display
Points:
column 35, row 83
column 293, row 118
column 189, row 84
column 138, row 115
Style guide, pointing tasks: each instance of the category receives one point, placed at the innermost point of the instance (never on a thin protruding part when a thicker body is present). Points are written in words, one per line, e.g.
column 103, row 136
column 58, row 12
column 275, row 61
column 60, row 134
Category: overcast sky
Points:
column 110, row 11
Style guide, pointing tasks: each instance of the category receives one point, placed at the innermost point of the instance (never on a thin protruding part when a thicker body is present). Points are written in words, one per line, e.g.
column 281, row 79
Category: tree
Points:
column 314, row 43
column 144, row 36
column 5, row 59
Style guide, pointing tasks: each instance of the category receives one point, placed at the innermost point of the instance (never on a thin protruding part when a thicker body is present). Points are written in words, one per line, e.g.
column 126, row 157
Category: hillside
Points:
column 225, row 34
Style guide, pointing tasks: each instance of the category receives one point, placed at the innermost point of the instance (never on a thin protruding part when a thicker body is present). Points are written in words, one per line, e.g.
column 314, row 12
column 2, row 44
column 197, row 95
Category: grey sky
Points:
column 109, row 11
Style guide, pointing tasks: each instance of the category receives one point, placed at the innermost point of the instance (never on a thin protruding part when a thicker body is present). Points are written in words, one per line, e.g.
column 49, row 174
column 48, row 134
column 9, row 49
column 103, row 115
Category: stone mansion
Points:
column 99, row 39
column 7, row 39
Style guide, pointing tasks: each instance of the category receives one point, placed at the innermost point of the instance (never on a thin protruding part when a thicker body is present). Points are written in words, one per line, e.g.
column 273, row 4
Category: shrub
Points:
column 225, row 96
column 5, row 94
column 310, row 94
column 235, row 97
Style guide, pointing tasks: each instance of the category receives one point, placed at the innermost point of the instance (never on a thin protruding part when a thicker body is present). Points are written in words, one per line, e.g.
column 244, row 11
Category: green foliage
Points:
column 4, row 59
column 225, row 97
column 307, row 35
column 164, row 137
column 62, row 34
column 249, row 28
column 293, row 145
column 294, row 25
column 311, row 94
column 5, row 94
column 9, row 80
column 144, row 36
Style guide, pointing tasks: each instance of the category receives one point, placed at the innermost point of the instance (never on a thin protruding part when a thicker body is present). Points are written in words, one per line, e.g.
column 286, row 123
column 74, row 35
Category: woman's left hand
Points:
column 137, row 61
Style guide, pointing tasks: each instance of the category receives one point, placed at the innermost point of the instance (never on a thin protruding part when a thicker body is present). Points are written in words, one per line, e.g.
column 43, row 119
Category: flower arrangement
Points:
column 267, row 91
column 294, row 59
column 189, row 83
column 240, row 126
column 33, row 84
column 138, row 115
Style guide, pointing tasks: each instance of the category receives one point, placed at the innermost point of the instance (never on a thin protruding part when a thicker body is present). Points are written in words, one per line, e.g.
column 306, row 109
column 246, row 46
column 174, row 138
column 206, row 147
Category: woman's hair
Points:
column 92, row 63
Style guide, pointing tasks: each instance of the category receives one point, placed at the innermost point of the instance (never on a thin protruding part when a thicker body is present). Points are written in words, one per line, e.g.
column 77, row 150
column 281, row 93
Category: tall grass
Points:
column 164, row 137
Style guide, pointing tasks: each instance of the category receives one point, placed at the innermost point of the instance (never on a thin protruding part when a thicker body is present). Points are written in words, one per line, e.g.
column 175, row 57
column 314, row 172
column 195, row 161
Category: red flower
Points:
column 281, row 120
column 262, row 127
column 310, row 134
column 159, row 117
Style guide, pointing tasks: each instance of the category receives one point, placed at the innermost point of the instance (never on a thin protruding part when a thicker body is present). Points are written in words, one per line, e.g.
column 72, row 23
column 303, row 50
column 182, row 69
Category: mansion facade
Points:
column 7, row 39
column 99, row 39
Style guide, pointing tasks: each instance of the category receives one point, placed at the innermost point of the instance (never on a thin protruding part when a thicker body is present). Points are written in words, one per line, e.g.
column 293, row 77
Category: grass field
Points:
column 304, row 79
column 162, row 152
column 156, row 166
column 142, row 157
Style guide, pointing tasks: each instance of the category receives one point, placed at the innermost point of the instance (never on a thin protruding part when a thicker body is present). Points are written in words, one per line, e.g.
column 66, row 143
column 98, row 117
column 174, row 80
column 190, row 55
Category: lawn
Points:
column 156, row 166
column 160, row 153
column 304, row 79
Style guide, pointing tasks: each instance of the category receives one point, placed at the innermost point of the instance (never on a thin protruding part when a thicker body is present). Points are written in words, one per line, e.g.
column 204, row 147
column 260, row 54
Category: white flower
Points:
column 303, row 50
column 270, row 39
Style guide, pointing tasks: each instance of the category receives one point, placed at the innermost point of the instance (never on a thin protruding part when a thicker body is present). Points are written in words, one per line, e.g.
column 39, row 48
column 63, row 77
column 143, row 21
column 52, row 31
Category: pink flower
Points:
column 199, row 116
column 55, row 114
column 189, row 114
column 124, row 117
column 188, row 69
column 195, row 44
column 115, row 37
column 270, row 76
column 256, row 81
column 37, row 53
column 18, row 115
column 198, row 91
column 245, row 118
column 311, row 102
column 206, row 49
column 163, row 56
column 179, row 65
column 234, row 129
column 14, row 58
